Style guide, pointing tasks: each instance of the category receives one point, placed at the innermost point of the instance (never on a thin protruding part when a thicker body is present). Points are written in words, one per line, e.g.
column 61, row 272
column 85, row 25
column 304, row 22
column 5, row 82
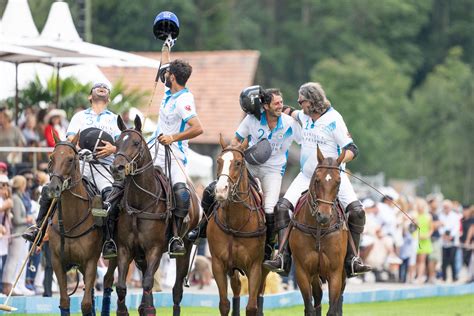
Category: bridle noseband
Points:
column 66, row 183
column 131, row 168
column 235, row 184
column 314, row 202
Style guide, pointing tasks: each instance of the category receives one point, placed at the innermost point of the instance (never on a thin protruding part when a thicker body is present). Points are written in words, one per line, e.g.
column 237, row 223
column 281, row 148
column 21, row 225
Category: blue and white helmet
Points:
column 166, row 23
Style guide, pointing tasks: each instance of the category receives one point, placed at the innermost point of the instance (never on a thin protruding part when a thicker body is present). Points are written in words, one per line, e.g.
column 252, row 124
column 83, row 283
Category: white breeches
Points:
column 98, row 174
column 271, row 185
column 177, row 169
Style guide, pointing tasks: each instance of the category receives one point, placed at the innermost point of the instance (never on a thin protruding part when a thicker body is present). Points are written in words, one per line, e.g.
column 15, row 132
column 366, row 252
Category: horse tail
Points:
column 77, row 284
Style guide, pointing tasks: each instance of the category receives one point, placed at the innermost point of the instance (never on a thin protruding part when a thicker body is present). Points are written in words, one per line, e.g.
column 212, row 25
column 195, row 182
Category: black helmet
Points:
column 252, row 99
column 91, row 137
column 258, row 153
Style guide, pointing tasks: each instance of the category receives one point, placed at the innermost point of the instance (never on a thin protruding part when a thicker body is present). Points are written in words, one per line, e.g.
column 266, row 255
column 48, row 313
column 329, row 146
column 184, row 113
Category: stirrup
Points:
column 196, row 240
column 356, row 259
column 280, row 269
column 103, row 248
column 180, row 241
column 101, row 212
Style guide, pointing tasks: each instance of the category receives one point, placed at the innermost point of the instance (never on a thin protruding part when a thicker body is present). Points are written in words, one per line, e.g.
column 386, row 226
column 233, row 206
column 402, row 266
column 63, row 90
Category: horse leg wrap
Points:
column 260, row 305
column 236, row 306
column 311, row 312
column 176, row 310
column 148, row 311
column 106, row 302
column 64, row 311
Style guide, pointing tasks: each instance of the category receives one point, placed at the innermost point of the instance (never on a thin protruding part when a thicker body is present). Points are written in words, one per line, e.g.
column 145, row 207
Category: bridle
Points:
column 66, row 182
column 235, row 194
column 131, row 167
column 314, row 202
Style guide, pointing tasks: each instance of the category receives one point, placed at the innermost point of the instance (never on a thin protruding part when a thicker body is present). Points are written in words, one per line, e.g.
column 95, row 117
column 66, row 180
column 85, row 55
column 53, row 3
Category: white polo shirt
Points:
column 280, row 138
column 329, row 132
column 175, row 112
column 106, row 121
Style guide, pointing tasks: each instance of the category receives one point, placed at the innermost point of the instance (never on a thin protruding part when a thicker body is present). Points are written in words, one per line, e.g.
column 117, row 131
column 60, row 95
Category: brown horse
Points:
column 236, row 232
column 73, row 236
column 319, row 239
column 143, row 223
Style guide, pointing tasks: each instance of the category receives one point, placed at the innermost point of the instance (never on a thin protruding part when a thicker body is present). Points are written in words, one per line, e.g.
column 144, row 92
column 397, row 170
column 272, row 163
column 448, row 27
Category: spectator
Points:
column 449, row 231
column 435, row 257
column 17, row 249
column 3, row 168
column 6, row 203
column 10, row 136
column 425, row 224
column 54, row 120
column 29, row 130
column 467, row 221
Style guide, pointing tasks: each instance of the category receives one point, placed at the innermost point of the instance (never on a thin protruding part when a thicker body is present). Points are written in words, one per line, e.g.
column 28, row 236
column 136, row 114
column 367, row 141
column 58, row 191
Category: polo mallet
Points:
column 5, row 306
column 165, row 28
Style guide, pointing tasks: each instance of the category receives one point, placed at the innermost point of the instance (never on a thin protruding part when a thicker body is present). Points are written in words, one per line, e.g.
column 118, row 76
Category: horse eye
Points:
column 70, row 160
column 136, row 143
column 238, row 163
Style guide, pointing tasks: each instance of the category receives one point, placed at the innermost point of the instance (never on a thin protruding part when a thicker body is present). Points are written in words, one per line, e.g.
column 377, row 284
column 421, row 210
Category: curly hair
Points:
column 181, row 70
column 314, row 93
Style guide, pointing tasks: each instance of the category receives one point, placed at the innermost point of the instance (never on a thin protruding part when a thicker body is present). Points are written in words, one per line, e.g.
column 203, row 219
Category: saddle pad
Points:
column 299, row 205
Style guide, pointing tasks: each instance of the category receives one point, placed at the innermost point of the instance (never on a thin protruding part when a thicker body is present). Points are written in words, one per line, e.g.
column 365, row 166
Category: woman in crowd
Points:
column 17, row 249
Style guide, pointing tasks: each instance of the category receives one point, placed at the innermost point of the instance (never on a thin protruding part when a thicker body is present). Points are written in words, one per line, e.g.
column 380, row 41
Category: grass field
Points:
column 442, row 305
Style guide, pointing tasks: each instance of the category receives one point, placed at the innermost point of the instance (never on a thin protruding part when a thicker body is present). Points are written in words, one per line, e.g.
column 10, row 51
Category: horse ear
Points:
column 121, row 124
column 245, row 144
column 138, row 123
column 55, row 137
column 222, row 141
column 340, row 159
column 320, row 155
column 75, row 139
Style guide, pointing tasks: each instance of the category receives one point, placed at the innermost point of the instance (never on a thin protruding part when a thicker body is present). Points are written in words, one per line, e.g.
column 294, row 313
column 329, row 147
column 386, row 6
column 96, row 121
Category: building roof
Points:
column 218, row 78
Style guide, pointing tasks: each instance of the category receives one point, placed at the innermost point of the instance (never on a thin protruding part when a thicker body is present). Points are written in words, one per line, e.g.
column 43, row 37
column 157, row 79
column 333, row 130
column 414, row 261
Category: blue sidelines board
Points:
column 49, row 305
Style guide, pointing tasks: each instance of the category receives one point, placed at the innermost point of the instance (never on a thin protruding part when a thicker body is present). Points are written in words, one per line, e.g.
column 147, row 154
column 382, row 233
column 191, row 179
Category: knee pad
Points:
column 208, row 196
column 356, row 217
column 282, row 213
column 182, row 198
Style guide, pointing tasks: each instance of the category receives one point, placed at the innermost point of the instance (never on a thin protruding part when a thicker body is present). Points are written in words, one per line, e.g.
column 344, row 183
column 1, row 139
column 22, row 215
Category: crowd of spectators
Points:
column 432, row 244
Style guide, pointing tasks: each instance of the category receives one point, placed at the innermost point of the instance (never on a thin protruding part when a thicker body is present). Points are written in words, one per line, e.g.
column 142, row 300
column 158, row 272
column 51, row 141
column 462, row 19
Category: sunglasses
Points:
column 4, row 185
column 300, row 102
column 100, row 85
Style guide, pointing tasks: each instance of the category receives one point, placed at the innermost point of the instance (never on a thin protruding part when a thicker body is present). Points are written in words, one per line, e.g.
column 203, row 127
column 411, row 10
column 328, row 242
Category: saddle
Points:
column 304, row 197
column 256, row 193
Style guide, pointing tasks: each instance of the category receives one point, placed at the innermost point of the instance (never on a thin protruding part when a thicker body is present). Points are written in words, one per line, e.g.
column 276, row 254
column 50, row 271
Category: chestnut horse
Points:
column 236, row 232
column 143, row 222
column 73, row 236
column 319, row 238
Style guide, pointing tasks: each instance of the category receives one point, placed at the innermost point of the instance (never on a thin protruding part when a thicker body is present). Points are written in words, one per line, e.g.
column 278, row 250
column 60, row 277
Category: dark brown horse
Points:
column 236, row 232
column 73, row 237
column 143, row 223
column 319, row 239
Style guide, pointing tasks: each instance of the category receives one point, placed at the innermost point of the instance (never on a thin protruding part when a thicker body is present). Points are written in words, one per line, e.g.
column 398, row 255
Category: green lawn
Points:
column 442, row 305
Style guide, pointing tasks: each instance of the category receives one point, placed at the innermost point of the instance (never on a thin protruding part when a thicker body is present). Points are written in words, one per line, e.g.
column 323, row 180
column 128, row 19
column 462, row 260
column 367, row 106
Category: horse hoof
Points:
column 146, row 311
column 122, row 313
column 176, row 310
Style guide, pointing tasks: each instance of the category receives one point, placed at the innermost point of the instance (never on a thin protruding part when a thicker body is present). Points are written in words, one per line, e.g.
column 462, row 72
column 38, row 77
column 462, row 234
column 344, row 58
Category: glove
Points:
column 162, row 71
column 86, row 155
column 169, row 42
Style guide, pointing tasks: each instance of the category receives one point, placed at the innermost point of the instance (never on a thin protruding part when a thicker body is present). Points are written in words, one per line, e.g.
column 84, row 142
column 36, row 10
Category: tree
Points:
column 442, row 120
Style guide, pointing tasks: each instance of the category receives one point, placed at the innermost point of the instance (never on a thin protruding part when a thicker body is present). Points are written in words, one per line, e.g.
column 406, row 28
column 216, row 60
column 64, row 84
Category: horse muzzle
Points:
column 118, row 172
column 54, row 189
column 323, row 219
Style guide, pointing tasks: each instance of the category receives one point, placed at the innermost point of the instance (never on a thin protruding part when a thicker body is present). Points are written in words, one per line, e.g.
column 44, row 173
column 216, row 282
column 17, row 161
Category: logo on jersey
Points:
column 187, row 108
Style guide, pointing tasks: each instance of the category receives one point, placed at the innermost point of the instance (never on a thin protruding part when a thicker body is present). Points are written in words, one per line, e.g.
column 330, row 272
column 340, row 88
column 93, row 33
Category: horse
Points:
column 236, row 232
column 74, row 238
column 318, row 238
column 143, row 222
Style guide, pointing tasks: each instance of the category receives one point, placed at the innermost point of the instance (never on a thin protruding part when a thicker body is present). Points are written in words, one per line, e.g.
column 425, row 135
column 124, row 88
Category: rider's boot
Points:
column 208, row 199
column 44, row 202
column 281, row 263
column 112, row 196
column 270, row 236
column 353, row 263
column 183, row 200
